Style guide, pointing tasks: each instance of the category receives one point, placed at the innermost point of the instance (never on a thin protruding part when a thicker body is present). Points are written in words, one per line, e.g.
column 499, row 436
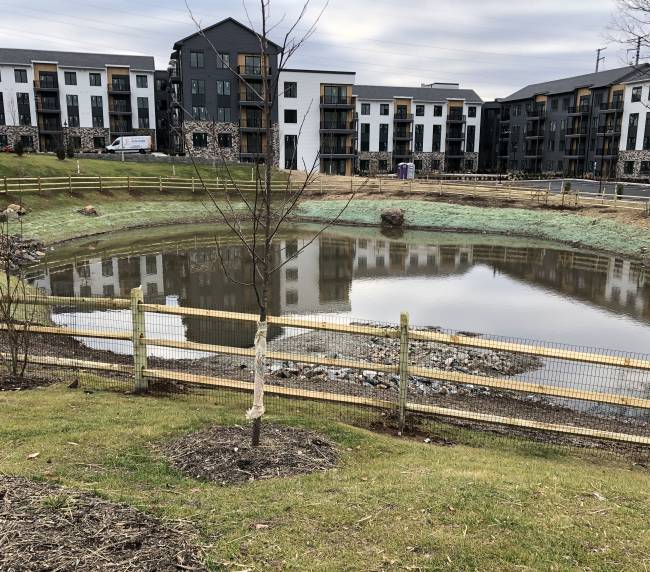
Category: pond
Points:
column 464, row 282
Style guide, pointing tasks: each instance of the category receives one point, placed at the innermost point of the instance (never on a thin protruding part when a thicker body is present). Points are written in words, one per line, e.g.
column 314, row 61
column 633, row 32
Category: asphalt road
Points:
column 586, row 186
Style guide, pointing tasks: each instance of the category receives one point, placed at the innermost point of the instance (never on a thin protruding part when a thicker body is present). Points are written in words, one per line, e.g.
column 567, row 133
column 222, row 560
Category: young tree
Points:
column 273, row 199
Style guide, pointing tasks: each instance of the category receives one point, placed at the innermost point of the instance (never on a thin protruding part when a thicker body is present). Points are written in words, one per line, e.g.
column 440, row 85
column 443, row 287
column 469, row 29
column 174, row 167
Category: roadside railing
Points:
column 575, row 385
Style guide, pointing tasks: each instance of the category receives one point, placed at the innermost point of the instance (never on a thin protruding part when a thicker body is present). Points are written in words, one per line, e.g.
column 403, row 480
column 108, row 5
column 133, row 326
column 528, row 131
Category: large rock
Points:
column 18, row 209
column 89, row 210
column 392, row 217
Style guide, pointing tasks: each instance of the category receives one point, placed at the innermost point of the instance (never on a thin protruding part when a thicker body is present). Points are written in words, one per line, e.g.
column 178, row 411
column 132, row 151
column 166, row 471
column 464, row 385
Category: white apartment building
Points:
column 436, row 127
column 634, row 146
column 51, row 99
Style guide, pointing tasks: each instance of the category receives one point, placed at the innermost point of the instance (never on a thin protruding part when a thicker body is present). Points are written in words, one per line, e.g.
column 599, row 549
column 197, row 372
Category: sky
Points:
column 492, row 46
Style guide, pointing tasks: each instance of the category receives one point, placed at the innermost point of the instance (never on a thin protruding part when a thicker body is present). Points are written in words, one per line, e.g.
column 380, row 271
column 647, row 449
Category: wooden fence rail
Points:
column 142, row 373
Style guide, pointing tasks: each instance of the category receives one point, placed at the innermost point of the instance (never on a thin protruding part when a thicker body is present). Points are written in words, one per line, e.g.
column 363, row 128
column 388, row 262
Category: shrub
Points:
column 60, row 154
column 567, row 187
column 19, row 148
column 619, row 190
column 70, row 151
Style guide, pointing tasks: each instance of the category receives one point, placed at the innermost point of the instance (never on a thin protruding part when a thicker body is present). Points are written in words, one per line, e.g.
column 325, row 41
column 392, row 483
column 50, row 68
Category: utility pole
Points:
column 599, row 58
column 637, row 50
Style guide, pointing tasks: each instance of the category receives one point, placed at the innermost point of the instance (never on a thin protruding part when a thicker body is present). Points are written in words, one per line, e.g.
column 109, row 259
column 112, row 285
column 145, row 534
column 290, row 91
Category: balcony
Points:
column 174, row 75
column 606, row 153
column 608, row 130
column 612, row 107
column 46, row 84
column 339, row 126
column 402, row 135
column 403, row 117
column 250, row 98
column 578, row 153
column 535, row 134
column 46, row 127
column 46, row 108
column 453, row 136
column 580, row 131
column 456, row 118
column 255, row 71
column 336, row 101
column 119, row 87
column 335, row 151
column 579, row 110
column 251, row 123
column 536, row 112
column 116, row 108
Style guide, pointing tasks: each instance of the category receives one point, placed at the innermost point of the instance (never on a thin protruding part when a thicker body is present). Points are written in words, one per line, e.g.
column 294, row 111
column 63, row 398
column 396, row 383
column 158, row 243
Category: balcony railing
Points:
column 336, row 150
column 455, row 136
column 48, row 107
column 46, row 83
column 119, row 86
column 609, row 130
column 403, row 117
column 50, row 126
column 116, row 107
column 536, row 111
column 338, row 125
column 612, row 106
column 336, row 100
column 253, row 70
column 581, row 130
column 252, row 123
column 578, row 110
column 456, row 118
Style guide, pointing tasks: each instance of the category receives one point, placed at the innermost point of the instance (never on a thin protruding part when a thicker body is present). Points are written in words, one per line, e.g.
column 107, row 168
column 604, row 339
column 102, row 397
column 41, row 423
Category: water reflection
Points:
column 588, row 298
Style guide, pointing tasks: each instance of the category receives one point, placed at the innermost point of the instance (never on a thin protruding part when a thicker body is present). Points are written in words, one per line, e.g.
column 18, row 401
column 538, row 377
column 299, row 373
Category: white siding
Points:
column 10, row 88
column 640, row 107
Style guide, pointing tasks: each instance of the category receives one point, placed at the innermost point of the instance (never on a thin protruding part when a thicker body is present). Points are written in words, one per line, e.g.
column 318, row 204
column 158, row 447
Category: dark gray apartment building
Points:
column 570, row 126
column 213, row 113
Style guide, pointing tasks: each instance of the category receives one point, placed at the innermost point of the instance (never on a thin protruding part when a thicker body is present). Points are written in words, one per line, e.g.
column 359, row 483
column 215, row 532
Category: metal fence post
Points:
column 403, row 368
column 139, row 348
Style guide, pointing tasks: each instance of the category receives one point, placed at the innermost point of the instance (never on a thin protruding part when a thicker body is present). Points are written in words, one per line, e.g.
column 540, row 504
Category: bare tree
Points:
column 269, row 205
column 16, row 316
column 630, row 27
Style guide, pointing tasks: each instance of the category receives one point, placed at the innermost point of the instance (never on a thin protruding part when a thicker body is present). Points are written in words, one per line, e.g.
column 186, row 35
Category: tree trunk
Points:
column 255, row 413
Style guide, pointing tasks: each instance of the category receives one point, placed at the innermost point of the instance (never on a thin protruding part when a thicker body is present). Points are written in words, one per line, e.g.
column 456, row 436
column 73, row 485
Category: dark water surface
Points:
column 496, row 285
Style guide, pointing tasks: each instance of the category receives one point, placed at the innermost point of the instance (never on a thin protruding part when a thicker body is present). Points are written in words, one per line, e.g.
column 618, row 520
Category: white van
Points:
column 130, row 145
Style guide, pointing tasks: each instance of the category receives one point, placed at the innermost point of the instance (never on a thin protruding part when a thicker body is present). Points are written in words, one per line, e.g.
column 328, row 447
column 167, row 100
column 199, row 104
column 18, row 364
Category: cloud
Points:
column 492, row 46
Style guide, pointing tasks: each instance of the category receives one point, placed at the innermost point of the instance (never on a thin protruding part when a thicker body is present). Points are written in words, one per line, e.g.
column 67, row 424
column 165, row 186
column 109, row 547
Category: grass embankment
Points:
column 393, row 504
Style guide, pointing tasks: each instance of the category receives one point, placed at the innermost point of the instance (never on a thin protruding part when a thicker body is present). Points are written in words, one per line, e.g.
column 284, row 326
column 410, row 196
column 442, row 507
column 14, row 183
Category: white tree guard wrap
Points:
column 257, row 410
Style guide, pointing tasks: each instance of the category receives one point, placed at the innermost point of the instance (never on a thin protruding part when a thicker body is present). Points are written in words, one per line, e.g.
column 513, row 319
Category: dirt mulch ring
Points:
column 15, row 383
column 225, row 454
column 49, row 527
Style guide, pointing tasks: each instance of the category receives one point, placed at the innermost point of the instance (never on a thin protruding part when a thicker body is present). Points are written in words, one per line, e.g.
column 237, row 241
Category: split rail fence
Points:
column 504, row 190
column 400, row 401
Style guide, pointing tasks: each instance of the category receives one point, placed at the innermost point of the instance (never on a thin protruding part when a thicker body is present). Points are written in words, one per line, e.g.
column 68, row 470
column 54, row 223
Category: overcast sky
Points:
column 492, row 46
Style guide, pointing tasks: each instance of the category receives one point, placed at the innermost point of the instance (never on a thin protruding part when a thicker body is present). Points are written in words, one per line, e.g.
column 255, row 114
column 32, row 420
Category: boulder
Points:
column 18, row 209
column 392, row 216
column 88, row 210
column 8, row 214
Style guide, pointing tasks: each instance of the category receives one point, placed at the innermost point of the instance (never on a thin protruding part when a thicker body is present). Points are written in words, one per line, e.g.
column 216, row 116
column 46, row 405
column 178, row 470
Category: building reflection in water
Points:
column 320, row 279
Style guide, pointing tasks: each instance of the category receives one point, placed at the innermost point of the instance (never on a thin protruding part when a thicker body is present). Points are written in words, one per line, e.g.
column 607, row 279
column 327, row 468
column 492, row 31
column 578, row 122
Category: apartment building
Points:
column 213, row 112
column 318, row 127
column 634, row 128
column 50, row 99
column 436, row 127
column 574, row 126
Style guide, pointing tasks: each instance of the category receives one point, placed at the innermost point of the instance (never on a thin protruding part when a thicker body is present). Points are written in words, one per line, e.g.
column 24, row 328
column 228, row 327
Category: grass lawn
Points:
column 393, row 504
column 37, row 165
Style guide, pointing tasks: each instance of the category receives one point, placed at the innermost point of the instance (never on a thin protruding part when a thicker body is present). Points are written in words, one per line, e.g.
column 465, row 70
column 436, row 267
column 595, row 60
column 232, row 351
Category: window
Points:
column 437, row 110
column 199, row 113
column 418, row 165
column 291, row 274
column 365, row 109
column 631, row 131
column 223, row 87
column 636, row 93
column 97, row 110
column 290, row 89
column 107, row 267
column 419, row 138
column 21, row 76
column 566, row 103
column 291, row 297
column 469, row 165
column 471, row 136
column 70, row 78
column 141, row 81
column 290, row 116
column 27, row 141
column 365, row 137
column 72, row 103
column 223, row 114
column 382, row 165
column 384, row 109
column 198, row 87
column 435, row 165
column 99, row 142
column 437, row 138
column 196, row 59
column 554, row 104
column 223, row 61
column 364, row 165
column 143, row 112
column 628, row 167
column 75, row 142
column 383, row 137
column 2, row 110
column 471, row 111
column 95, row 79
column 290, row 154
column 419, row 110
column 646, row 133
column 24, row 111
column 4, row 141
column 645, row 168
column 224, row 140
column 552, row 126
column 200, row 140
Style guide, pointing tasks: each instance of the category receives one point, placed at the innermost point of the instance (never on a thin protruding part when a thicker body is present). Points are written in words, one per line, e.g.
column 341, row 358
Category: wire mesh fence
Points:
column 389, row 375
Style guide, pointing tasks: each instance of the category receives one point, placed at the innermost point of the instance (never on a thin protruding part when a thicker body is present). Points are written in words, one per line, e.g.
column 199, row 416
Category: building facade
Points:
column 214, row 113
column 576, row 126
column 50, row 99
column 436, row 127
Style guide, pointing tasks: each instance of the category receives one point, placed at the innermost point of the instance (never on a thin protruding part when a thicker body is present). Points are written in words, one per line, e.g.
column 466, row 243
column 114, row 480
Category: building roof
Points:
column 297, row 70
column 220, row 23
column 427, row 94
column 590, row 80
column 75, row 59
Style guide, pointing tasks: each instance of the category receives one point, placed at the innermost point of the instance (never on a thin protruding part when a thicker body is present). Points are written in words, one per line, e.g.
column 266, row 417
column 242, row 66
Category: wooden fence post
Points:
column 160, row 184
column 403, row 368
column 128, row 182
column 139, row 348
column 192, row 185
column 6, row 188
column 40, row 188
column 70, row 183
column 101, row 188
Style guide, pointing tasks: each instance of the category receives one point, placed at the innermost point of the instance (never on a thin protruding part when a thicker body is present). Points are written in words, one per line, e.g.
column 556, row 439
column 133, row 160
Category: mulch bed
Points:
column 225, row 454
column 46, row 527
column 15, row 383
